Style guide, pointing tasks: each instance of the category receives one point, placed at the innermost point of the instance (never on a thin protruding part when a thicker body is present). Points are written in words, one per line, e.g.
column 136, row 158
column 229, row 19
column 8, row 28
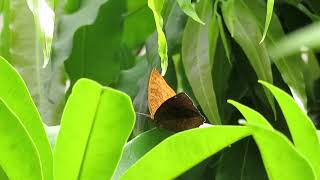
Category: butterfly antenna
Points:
column 143, row 114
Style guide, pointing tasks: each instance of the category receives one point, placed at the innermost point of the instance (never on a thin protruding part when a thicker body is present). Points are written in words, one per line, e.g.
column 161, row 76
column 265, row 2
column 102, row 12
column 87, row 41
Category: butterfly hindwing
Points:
column 178, row 113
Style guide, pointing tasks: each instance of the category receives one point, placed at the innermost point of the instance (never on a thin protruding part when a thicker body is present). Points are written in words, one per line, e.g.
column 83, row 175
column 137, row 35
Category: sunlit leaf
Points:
column 156, row 6
column 281, row 159
column 44, row 17
column 19, row 45
column 301, row 127
column 270, row 5
column 175, row 155
column 19, row 156
column 96, row 124
column 16, row 97
column 251, row 115
column 138, row 147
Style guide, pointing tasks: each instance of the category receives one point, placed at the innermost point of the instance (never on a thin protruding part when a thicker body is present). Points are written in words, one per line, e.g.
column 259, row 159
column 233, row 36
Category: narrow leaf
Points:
column 247, row 34
column 95, row 126
column 187, row 8
column 289, row 67
column 175, row 155
column 268, row 18
column 197, row 60
column 157, row 6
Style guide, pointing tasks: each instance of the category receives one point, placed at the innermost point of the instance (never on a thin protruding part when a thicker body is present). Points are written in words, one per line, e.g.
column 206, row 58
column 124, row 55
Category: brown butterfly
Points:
column 169, row 110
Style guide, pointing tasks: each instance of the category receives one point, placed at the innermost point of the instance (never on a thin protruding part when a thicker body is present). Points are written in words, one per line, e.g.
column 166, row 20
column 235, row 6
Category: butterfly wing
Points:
column 158, row 92
column 178, row 113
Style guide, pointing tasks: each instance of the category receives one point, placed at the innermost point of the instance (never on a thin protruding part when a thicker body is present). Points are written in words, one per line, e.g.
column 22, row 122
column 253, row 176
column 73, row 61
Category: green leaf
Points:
column 281, row 159
column 300, row 126
column 175, row 155
column 44, row 17
column 307, row 37
column 138, row 25
column 241, row 161
column 71, row 6
column 247, row 34
column 138, row 147
column 16, row 96
column 311, row 73
column 225, row 42
column 19, row 157
column 3, row 175
column 91, row 56
column 20, row 46
column 289, row 67
column 96, row 124
column 187, row 8
column 251, row 115
column 268, row 18
column 157, row 6
column 197, row 61
column 128, row 79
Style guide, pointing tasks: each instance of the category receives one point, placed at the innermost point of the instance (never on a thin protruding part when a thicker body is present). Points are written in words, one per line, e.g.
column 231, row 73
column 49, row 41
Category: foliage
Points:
column 83, row 66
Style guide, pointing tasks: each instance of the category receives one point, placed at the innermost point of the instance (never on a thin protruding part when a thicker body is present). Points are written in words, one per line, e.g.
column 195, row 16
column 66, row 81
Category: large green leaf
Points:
column 14, row 93
column 281, row 159
column 175, row 155
column 96, row 124
column 289, row 67
column 244, row 29
column 139, row 23
column 301, row 127
column 96, row 47
column 278, row 153
column 197, row 60
column 138, row 147
column 128, row 79
column 20, row 46
column 19, row 156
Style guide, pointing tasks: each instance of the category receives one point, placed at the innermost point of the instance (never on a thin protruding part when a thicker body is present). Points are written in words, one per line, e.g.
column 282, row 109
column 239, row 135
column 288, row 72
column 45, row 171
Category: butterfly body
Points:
column 169, row 110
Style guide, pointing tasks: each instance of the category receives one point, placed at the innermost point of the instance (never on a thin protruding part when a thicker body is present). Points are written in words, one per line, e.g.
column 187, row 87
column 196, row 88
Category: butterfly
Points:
column 171, row 111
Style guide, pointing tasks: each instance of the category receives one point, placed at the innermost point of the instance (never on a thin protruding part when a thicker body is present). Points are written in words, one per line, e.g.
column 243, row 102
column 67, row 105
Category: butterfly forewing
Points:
column 158, row 92
column 178, row 113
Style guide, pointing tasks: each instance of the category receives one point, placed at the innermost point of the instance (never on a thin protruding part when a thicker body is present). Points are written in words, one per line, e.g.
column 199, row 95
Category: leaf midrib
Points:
column 81, row 169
